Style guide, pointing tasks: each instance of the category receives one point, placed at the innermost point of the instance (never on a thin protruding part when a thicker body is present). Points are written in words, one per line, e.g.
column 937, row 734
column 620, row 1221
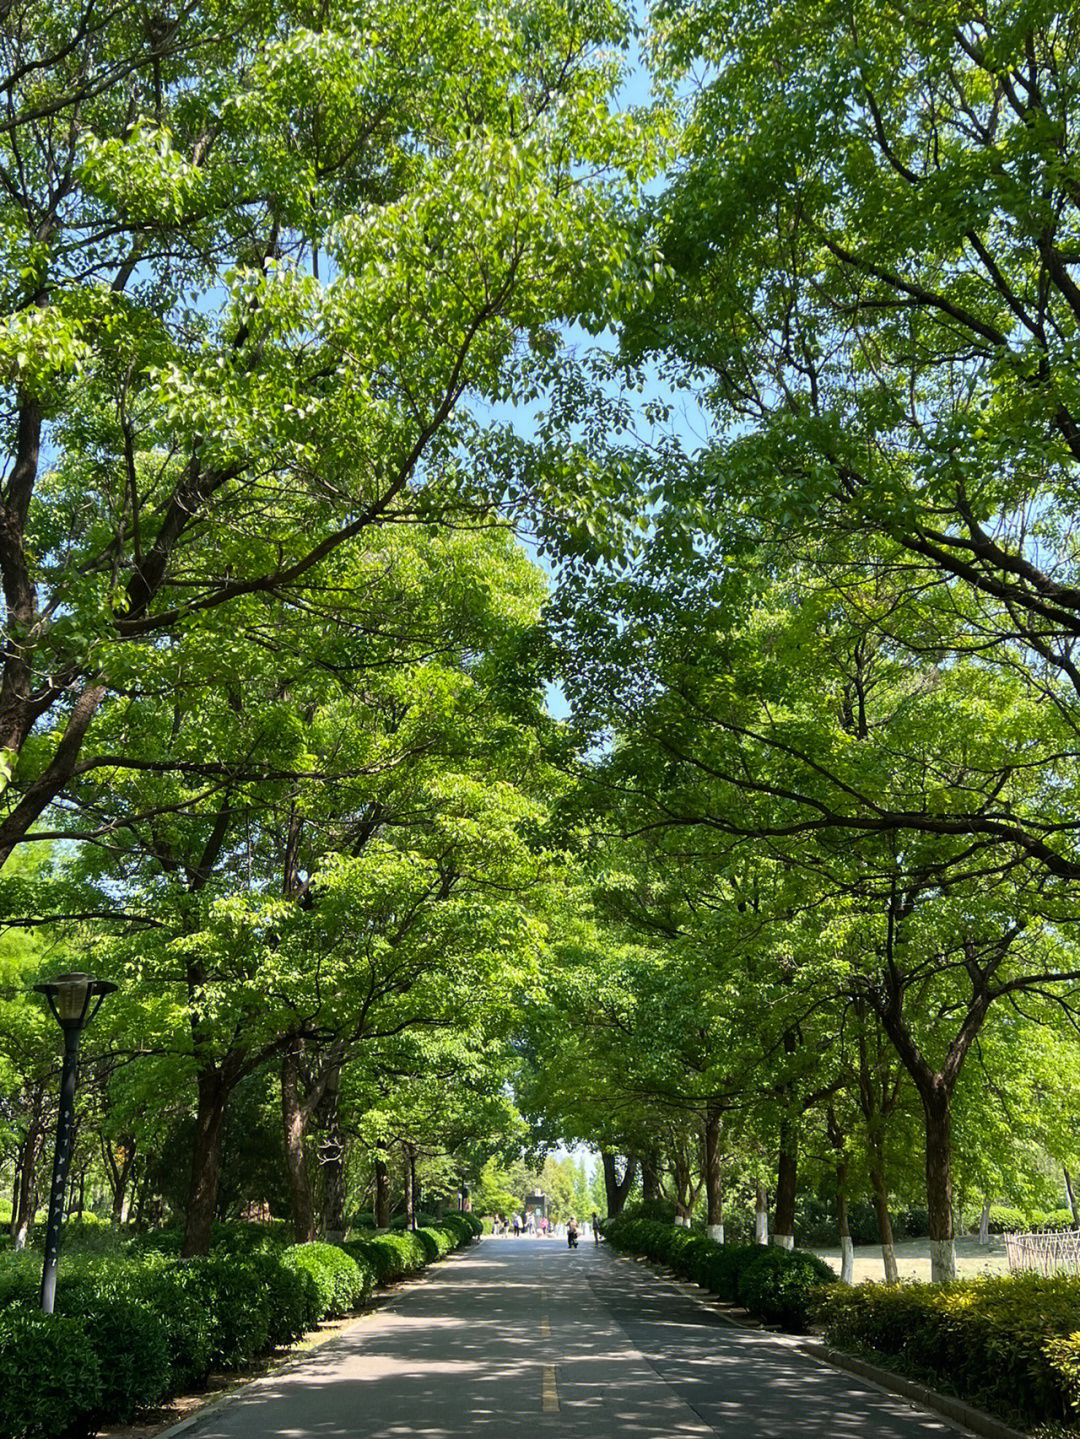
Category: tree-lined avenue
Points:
column 470, row 1350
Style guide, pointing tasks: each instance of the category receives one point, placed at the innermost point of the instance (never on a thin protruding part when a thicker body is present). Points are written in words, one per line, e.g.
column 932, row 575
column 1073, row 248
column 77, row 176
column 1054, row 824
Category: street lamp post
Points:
column 74, row 1000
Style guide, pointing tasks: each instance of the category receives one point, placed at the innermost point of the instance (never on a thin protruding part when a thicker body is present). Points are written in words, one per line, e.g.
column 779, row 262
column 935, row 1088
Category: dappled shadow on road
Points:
column 462, row 1352
column 519, row 1337
column 743, row 1382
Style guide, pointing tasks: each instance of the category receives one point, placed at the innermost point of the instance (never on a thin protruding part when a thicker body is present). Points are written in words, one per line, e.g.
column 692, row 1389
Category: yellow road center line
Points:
column 549, row 1393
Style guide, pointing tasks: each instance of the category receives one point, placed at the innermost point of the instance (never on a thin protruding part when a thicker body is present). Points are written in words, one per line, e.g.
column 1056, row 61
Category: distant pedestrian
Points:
column 517, row 1225
column 595, row 1228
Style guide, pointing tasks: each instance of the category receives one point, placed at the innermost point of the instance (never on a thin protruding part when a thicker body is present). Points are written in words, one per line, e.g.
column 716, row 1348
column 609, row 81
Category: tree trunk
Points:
column 1071, row 1198
column 22, row 1216
column 15, row 1186
column 847, row 1248
column 410, row 1198
column 118, row 1167
column 332, row 1163
column 294, row 1116
column 144, row 1195
column 786, row 1180
column 205, row 1163
column 650, row 1175
column 382, row 1193
column 881, row 1205
column 938, row 1117
column 616, row 1189
column 714, row 1183
column 984, row 1223
column 761, row 1214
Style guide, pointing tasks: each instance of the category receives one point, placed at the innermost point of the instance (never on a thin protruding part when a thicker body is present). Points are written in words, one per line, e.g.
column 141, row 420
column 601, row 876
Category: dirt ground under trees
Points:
column 913, row 1259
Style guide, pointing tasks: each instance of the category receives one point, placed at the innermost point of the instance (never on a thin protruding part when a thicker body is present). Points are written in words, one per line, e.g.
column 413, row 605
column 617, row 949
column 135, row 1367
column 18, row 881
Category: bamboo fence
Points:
column 1044, row 1253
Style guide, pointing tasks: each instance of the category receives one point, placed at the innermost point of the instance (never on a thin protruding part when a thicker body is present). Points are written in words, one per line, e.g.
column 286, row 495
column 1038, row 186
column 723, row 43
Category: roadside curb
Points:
column 975, row 1421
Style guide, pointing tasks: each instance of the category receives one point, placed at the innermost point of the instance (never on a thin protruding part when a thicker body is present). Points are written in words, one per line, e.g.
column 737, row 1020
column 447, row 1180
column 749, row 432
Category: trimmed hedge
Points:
column 137, row 1325
column 1005, row 1219
column 1055, row 1219
column 340, row 1282
column 778, row 1285
column 393, row 1255
column 50, row 1377
column 1010, row 1343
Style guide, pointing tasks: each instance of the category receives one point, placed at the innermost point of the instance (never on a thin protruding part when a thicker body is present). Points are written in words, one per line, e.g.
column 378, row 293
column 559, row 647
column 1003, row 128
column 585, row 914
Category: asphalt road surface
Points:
column 524, row 1337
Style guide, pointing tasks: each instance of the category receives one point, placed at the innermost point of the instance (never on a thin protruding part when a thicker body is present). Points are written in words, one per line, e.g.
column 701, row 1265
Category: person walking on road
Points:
column 595, row 1228
column 572, row 1232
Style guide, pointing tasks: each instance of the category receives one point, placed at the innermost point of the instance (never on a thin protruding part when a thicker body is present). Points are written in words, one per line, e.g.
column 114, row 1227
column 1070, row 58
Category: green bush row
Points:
column 1051, row 1219
column 395, row 1254
column 136, row 1327
column 778, row 1285
column 1009, row 1343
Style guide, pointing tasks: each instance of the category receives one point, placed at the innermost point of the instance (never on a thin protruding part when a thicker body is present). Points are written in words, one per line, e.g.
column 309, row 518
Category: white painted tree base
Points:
column 888, row 1259
column 784, row 1241
column 847, row 1260
column 716, row 1233
column 942, row 1261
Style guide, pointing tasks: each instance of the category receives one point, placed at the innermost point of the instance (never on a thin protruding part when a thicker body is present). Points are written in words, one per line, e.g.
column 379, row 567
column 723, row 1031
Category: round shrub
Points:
column 423, row 1220
column 392, row 1256
column 464, row 1226
column 131, row 1343
column 1055, row 1219
column 177, row 1293
column 240, row 1237
column 295, row 1301
column 338, row 1280
column 127, row 1334
column 719, row 1266
column 438, row 1240
column 661, row 1211
column 779, row 1284
column 50, row 1378
column 1005, row 1219
column 236, row 1295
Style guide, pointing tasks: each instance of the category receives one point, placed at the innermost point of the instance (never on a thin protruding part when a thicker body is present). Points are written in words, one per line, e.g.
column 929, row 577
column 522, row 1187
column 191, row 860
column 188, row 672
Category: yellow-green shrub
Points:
column 1010, row 1343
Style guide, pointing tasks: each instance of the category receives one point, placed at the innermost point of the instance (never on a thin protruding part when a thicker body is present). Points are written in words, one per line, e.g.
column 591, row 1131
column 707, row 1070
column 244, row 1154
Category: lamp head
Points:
column 75, row 998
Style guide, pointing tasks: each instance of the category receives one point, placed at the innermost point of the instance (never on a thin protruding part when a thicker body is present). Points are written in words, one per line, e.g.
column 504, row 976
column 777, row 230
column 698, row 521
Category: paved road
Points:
column 524, row 1337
